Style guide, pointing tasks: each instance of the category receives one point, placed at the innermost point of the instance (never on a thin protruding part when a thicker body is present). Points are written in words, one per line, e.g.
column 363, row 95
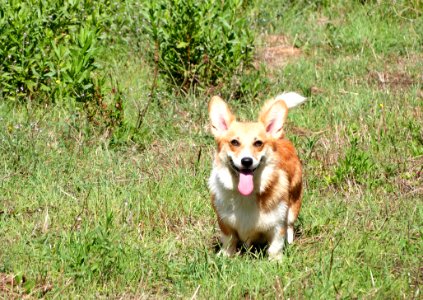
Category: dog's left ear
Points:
column 221, row 116
column 273, row 116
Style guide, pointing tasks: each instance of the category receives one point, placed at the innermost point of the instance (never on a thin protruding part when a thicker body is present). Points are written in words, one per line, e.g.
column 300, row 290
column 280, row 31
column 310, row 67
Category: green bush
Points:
column 199, row 43
column 50, row 51
column 41, row 44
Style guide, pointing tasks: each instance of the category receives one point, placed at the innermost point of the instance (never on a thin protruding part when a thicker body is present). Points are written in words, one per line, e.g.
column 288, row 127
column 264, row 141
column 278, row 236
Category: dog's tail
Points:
column 291, row 99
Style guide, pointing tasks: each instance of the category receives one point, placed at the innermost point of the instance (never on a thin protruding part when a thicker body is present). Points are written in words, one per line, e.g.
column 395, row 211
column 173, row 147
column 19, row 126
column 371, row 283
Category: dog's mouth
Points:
column 246, row 178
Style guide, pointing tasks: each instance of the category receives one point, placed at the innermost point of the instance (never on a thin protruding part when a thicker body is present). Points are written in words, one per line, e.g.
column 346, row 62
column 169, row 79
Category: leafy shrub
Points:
column 35, row 47
column 49, row 51
column 199, row 43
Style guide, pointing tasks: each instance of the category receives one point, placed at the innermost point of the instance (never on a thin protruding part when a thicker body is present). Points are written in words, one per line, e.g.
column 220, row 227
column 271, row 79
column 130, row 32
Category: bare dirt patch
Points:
column 398, row 75
column 391, row 79
column 276, row 52
column 6, row 283
column 13, row 288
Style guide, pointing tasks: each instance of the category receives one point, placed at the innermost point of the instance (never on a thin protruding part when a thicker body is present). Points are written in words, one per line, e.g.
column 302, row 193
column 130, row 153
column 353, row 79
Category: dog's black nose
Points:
column 247, row 162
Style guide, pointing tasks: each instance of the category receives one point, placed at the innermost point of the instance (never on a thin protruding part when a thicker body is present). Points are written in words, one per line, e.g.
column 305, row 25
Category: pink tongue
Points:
column 246, row 185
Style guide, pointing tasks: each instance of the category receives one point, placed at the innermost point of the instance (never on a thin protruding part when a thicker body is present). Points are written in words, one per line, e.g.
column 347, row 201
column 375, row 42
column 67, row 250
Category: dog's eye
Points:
column 258, row 144
column 235, row 143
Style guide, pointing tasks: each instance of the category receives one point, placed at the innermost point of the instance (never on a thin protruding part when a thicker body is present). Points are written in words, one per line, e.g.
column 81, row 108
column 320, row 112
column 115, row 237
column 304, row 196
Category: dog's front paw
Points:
column 275, row 250
column 277, row 257
column 226, row 252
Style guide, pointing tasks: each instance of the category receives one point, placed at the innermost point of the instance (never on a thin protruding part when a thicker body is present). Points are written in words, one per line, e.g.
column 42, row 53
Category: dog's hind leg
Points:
column 293, row 212
column 294, row 209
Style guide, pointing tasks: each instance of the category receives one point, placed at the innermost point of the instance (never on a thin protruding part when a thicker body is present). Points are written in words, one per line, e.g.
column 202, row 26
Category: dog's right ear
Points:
column 220, row 116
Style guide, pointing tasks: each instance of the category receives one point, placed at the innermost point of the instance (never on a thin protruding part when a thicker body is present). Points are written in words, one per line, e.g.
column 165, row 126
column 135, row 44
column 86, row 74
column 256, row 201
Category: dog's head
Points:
column 244, row 147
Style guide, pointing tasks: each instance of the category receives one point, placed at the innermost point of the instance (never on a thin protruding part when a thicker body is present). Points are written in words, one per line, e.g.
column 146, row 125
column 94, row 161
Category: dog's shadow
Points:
column 256, row 250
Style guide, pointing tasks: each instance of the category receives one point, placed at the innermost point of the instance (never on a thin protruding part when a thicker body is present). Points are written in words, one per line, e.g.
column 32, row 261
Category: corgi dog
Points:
column 256, row 180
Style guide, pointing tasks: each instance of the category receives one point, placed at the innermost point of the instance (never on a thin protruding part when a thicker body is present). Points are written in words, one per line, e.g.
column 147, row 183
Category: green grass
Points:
column 84, row 214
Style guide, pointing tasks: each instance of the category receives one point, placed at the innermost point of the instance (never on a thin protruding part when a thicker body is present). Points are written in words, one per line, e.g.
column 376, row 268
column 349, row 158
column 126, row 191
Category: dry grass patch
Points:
column 391, row 80
column 18, row 287
column 397, row 76
column 276, row 52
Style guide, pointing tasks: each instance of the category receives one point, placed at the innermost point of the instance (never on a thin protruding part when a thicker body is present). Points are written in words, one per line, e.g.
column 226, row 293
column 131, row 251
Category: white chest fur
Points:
column 242, row 213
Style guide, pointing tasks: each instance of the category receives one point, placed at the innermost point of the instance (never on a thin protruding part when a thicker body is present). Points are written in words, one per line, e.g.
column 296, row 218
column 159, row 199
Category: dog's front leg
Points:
column 277, row 242
column 229, row 243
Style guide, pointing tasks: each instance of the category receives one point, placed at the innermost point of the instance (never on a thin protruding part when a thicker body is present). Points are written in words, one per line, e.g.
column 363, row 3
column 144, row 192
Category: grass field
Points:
column 86, row 215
